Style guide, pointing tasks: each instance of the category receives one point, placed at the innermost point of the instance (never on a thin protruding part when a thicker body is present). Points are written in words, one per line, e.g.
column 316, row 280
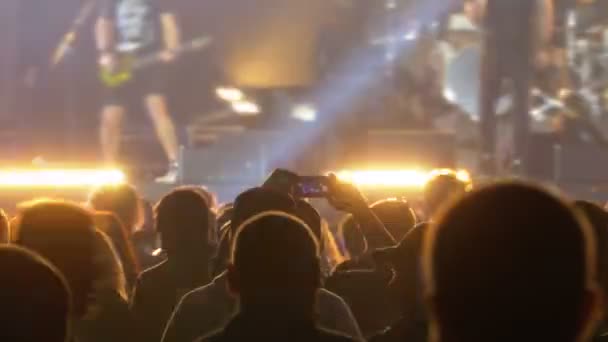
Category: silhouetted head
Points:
column 510, row 262
column 354, row 241
column 441, row 190
column 205, row 193
column 598, row 218
column 121, row 200
column 64, row 234
column 36, row 301
column 396, row 215
column 248, row 204
column 275, row 266
column 257, row 200
column 185, row 224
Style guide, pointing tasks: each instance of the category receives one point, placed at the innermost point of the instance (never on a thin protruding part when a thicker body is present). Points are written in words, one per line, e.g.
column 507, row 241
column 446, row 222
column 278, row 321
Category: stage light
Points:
column 60, row 178
column 304, row 112
column 246, row 108
column 230, row 94
column 396, row 178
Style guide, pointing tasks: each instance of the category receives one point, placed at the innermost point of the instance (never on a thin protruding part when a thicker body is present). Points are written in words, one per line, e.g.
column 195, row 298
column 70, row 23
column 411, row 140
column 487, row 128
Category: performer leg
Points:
column 110, row 132
column 490, row 91
column 156, row 105
column 521, row 118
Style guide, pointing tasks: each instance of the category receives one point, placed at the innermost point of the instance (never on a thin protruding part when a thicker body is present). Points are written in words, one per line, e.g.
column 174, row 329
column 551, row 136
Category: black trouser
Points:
column 506, row 62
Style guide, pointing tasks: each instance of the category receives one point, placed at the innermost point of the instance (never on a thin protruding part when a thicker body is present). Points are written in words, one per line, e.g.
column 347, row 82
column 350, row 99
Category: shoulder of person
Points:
column 213, row 337
column 327, row 296
column 152, row 276
column 326, row 335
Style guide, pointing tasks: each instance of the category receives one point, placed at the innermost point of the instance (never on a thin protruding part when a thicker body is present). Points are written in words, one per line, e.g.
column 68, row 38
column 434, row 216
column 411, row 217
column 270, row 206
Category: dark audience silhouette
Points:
column 510, row 262
column 36, row 300
column 507, row 262
column 185, row 224
column 65, row 234
column 276, row 284
column 209, row 308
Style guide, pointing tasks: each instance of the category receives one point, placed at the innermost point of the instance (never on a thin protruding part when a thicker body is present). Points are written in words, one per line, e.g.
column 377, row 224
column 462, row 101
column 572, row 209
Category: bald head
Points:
column 506, row 262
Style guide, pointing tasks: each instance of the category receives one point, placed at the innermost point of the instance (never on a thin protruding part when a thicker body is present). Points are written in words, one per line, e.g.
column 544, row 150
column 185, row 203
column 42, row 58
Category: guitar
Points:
column 127, row 64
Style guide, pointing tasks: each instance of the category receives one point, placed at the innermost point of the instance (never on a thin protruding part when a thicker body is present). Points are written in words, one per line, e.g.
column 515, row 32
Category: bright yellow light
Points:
column 230, row 94
column 61, row 177
column 396, row 178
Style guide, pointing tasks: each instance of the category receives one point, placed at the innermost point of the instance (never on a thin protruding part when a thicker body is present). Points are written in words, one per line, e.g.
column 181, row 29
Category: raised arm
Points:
column 170, row 31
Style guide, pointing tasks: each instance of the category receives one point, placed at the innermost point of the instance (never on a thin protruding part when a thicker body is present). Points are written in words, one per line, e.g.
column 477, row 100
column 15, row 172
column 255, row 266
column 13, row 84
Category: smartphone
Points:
column 312, row 187
column 282, row 180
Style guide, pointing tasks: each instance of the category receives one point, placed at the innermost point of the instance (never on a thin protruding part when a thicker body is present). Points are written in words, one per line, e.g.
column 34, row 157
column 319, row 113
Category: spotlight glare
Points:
column 61, row 177
column 230, row 94
column 414, row 178
column 246, row 108
column 306, row 113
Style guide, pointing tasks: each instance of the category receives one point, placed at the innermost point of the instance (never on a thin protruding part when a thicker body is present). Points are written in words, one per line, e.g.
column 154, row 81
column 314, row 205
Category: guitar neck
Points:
column 156, row 57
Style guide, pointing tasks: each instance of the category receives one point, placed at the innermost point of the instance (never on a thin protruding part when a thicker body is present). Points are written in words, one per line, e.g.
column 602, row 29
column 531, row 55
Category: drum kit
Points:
column 586, row 98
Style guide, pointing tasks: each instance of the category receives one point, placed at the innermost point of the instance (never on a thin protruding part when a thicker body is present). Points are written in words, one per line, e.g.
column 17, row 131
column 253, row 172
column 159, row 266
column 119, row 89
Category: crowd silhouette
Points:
column 506, row 261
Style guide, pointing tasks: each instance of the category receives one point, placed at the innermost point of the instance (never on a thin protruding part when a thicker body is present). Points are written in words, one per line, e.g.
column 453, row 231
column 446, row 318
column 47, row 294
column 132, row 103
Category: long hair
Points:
column 109, row 224
column 110, row 276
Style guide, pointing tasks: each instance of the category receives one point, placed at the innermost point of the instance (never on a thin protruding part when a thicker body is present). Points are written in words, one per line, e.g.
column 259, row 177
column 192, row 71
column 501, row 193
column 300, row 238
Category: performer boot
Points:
column 172, row 175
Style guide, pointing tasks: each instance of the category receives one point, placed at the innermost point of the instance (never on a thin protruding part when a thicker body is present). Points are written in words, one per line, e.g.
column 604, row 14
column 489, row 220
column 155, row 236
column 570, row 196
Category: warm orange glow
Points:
column 61, row 178
column 413, row 178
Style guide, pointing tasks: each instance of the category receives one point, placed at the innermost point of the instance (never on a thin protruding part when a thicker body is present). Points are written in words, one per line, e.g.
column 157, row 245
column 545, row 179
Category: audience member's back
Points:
column 185, row 224
column 598, row 218
column 208, row 308
column 396, row 215
column 276, row 283
column 509, row 263
column 64, row 234
column 35, row 298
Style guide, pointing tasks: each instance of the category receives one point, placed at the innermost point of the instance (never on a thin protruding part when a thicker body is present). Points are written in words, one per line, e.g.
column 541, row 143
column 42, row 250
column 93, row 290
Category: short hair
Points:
column 257, row 200
column 183, row 218
column 440, row 190
column 396, row 215
column 275, row 252
column 121, row 200
column 248, row 204
column 63, row 233
column 506, row 262
column 209, row 196
column 35, row 298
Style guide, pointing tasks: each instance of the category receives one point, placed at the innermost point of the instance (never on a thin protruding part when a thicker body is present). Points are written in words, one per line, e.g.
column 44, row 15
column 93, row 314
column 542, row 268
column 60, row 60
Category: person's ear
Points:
column 592, row 312
column 234, row 280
